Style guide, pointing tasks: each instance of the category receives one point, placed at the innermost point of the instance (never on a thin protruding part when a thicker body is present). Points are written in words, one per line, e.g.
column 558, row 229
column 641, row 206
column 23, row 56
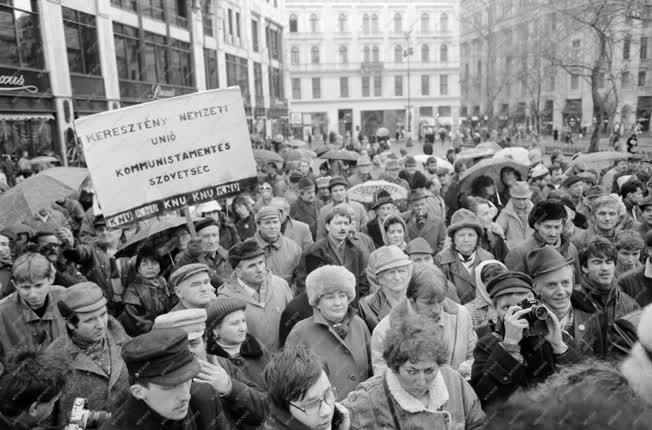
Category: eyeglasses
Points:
column 313, row 407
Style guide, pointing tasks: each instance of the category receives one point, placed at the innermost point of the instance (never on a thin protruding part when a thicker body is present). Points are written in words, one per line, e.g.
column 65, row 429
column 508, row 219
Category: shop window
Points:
column 81, row 42
column 20, row 37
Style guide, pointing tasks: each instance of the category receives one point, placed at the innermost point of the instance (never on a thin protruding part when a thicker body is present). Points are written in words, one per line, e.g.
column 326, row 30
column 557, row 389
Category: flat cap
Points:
column 570, row 181
column 363, row 161
column 417, row 194
column 544, row 260
column 392, row 164
column 322, row 182
column 245, row 250
column 218, row 309
column 267, row 212
column 410, row 161
column 191, row 321
column 161, row 357
column 306, row 184
column 418, row 246
column 204, row 223
column 185, row 272
column 83, row 297
column 337, row 180
column 442, row 171
column 508, row 283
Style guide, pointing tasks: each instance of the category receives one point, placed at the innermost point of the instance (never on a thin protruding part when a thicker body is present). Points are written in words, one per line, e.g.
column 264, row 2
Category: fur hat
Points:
column 306, row 184
column 464, row 218
column 329, row 278
column 382, row 198
column 146, row 251
column 545, row 210
column 245, row 250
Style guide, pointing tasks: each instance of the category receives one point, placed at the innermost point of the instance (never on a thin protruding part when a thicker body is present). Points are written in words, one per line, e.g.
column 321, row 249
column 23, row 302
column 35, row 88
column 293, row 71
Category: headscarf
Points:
column 481, row 288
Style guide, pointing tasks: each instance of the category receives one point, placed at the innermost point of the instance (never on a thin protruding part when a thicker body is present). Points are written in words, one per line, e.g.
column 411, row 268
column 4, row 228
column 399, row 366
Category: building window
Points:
column 258, row 84
column 425, row 85
column 125, row 4
column 276, row 84
column 344, row 87
column 642, row 77
column 366, row 57
column 575, row 82
column 444, row 111
column 374, row 24
column 207, row 18
column 127, row 51
column 230, row 17
column 398, row 86
column 296, row 89
column 314, row 23
column 344, row 55
column 153, row 8
column 180, row 72
column 316, row 88
column 294, row 56
column 20, row 38
column 378, row 86
column 254, row 36
column 155, row 58
column 398, row 23
column 443, row 53
column 81, row 42
column 294, row 24
column 180, row 14
column 443, row 22
column 365, row 86
column 425, row 54
column 237, row 25
column 314, row 55
column 375, row 54
column 643, row 48
column 443, row 85
column 273, row 38
column 365, row 24
column 398, row 54
column 625, row 80
column 210, row 66
column 627, row 44
column 237, row 74
column 341, row 23
column 425, row 23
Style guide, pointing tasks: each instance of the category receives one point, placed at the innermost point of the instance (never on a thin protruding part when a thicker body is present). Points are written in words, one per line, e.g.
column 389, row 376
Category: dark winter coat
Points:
column 103, row 392
column 251, row 361
column 516, row 260
column 455, row 271
column 297, row 310
column 6, row 284
column 144, row 300
column 418, row 180
column 496, row 374
column 375, row 232
column 246, row 227
column 636, row 285
column 282, row 420
column 433, row 230
column 373, row 308
column 204, row 413
column 307, row 213
column 218, row 265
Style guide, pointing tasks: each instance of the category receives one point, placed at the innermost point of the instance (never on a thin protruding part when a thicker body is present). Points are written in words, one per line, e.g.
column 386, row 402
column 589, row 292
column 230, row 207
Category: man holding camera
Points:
column 525, row 347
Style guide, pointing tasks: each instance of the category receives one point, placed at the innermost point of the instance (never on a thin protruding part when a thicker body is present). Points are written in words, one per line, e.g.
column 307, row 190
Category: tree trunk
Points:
column 594, row 145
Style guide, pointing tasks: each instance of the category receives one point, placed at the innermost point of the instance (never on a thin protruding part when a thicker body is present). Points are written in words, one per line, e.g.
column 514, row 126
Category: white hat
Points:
column 203, row 208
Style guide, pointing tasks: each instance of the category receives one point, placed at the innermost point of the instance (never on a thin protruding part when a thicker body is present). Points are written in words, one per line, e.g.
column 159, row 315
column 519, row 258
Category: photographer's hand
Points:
column 216, row 376
column 554, row 336
column 514, row 325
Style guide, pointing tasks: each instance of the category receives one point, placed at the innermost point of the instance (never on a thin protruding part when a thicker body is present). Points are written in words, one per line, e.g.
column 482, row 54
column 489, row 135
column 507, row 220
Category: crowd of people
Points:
column 513, row 301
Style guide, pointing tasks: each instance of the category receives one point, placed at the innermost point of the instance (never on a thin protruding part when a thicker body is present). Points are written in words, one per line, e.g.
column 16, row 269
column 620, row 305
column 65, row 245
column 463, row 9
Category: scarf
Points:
column 342, row 328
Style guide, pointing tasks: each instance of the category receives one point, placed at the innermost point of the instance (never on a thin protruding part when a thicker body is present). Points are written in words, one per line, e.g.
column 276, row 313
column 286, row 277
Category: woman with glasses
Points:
column 301, row 393
column 418, row 391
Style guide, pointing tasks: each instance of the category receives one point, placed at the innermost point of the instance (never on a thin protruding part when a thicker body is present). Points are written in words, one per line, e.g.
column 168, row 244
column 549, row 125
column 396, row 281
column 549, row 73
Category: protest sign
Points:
column 168, row 154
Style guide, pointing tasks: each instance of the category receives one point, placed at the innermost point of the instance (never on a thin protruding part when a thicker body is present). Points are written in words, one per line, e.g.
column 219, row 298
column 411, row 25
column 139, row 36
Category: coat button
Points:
column 505, row 378
column 353, row 378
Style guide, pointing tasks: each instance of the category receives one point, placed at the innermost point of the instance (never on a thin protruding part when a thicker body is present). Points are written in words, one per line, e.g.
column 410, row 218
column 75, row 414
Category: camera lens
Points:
column 540, row 312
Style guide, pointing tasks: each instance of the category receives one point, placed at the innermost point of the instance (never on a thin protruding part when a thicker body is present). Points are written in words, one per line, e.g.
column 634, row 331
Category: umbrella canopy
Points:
column 265, row 156
column 158, row 231
column 31, row 195
column 520, row 155
column 73, row 177
column 441, row 162
column 20, row 228
column 489, row 145
column 491, row 167
column 322, row 149
column 598, row 160
column 340, row 154
column 298, row 155
column 296, row 143
column 365, row 192
column 470, row 153
column 44, row 159
column 382, row 132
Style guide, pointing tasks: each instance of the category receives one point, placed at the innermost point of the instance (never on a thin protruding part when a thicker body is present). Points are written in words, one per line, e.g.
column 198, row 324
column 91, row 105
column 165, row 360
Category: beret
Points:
column 185, row 272
column 191, row 321
column 218, row 309
column 267, row 212
column 507, row 283
column 245, row 250
column 83, row 298
column 161, row 357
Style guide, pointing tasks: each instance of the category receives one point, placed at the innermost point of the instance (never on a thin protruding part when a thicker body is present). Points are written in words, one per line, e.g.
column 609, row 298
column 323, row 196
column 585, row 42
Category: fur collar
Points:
column 438, row 394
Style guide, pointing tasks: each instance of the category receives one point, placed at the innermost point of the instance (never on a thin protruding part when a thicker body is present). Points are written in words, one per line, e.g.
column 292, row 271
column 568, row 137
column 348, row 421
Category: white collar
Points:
column 437, row 395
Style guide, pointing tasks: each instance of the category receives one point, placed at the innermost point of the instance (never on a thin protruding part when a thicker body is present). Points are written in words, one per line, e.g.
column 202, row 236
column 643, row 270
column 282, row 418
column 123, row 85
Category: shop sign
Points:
column 16, row 81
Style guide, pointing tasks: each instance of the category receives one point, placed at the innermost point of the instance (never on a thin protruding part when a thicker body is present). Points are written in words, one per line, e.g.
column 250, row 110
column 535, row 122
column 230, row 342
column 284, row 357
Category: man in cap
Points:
column 632, row 193
column 306, row 207
column 556, row 177
column 161, row 371
column 414, row 178
column 246, row 405
column 192, row 285
column 421, row 223
column 553, row 281
column 92, row 343
column 338, row 187
column 266, row 294
column 513, row 218
column 392, row 171
column 573, row 186
column 638, row 283
column 420, row 251
column 431, row 168
column 293, row 229
column 283, row 254
column 362, row 171
column 444, row 176
column 323, row 192
column 384, row 206
column 206, row 249
column 506, row 359
column 539, row 179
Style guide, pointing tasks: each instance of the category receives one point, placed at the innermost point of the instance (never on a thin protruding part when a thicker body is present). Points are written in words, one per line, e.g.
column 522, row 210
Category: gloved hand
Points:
column 195, row 248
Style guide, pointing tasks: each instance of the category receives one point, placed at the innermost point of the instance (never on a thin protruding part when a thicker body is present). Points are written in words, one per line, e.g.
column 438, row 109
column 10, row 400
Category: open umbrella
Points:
column 598, row 160
column 471, row 153
column 296, row 143
column 298, row 154
column 265, row 156
column 489, row 145
column 31, row 195
column 158, row 231
column 441, row 162
column 73, row 177
column 491, row 167
column 365, row 192
column 340, row 154
column 382, row 132
column 44, row 159
column 20, row 228
column 520, row 155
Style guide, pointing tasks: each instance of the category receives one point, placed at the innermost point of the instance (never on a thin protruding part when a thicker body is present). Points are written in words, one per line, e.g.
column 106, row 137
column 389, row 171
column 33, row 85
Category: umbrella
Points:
column 382, row 132
column 162, row 228
column 422, row 158
column 598, row 160
column 44, row 159
column 265, row 156
column 491, row 167
column 365, row 192
column 20, row 228
column 72, row 177
column 489, row 145
column 470, row 153
column 299, row 154
column 340, row 154
column 31, row 195
column 520, row 155
column 296, row 143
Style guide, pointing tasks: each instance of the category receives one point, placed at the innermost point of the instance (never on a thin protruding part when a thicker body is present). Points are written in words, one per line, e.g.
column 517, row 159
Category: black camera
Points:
column 537, row 318
column 81, row 418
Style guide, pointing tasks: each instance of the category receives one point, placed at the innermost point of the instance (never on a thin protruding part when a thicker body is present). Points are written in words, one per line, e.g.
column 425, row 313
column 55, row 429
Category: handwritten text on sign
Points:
column 160, row 156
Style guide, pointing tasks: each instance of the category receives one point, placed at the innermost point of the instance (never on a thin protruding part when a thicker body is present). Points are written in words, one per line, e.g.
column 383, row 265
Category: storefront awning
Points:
column 24, row 116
